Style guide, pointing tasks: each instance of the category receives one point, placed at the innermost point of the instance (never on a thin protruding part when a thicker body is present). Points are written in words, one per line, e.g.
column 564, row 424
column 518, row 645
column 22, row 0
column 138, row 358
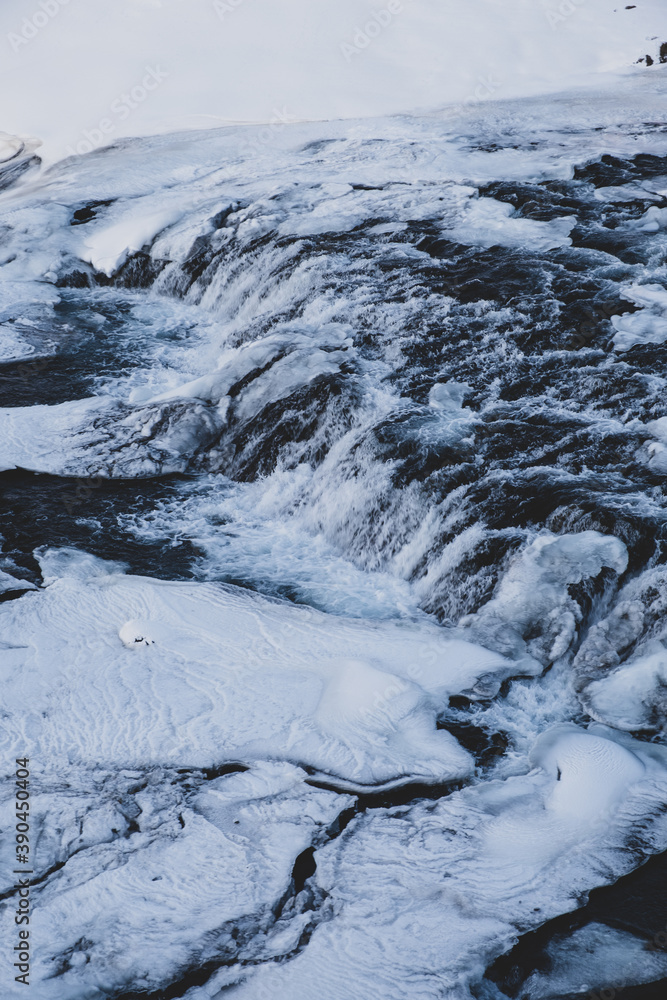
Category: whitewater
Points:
column 333, row 568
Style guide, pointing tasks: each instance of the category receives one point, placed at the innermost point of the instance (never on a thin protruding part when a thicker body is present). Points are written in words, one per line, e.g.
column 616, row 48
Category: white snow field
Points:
column 139, row 66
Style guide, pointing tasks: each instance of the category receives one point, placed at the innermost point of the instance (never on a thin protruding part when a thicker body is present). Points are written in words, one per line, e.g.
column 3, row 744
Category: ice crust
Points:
column 596, row 957
column 447, row 886
column 158, row 880
column 159, row 672
column 122, row 700
column 134, row 676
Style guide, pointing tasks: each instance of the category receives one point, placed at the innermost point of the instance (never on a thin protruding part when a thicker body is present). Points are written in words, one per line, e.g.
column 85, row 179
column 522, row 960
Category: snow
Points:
column 139, row 67
column 136, row 671
column 633, row 697
column 649, row 324
column 9, row 583
column 410, row 900
column 657, row 449
column 109, row 248
column 137, row 904
column 492, row 223
column 133, row 694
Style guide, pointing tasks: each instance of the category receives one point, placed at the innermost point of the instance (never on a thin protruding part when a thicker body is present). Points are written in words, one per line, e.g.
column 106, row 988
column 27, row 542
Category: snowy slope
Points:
column 139, row 66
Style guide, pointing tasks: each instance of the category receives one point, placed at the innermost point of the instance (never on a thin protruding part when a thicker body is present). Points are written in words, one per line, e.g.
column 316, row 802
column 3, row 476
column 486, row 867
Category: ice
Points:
column 595, row 958
column 10, row 146
column 657, row 449
column 487, row 222
column 192, row 875
column 627, row 193
column 533, row 593
column 8, row 582
column 621, row 666
column 634, row 695
column 138, row 671
column 649, row 325
column 426, row 896
column 653, row 296
column 639, row 328
column 653, row 220
column 269, row 311
column 108, row 248
column 36, row 437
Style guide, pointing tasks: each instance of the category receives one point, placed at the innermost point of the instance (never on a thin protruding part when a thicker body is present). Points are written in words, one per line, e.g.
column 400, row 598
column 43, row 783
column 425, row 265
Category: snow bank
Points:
column 156, row 880
column 108, row 249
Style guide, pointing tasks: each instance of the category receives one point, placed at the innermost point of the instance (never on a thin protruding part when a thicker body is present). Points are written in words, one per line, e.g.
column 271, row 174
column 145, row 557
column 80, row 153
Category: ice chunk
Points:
column 488, row 222
column 9, row 582
column 107, row 248
column 652, row 220
column 595, row 960
column 533, row 593
column 634, row 695
column 626, row 192
column 638, row 328
column 649, row 325
column 657, row 449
